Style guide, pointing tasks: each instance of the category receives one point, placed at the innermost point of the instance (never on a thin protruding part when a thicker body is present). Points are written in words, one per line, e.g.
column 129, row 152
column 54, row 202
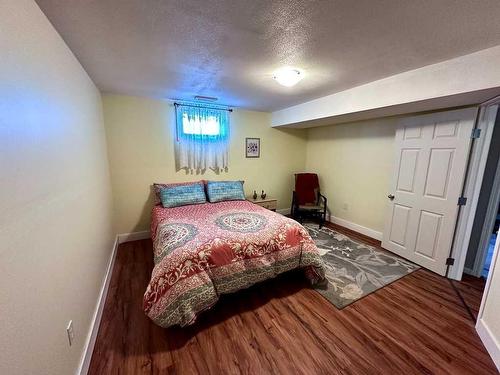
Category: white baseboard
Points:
column 134, row 236
column 489, row 341
column 348, row 224
column 96, row 319
column 356, row 227
column 88, row 349
column 469, row 271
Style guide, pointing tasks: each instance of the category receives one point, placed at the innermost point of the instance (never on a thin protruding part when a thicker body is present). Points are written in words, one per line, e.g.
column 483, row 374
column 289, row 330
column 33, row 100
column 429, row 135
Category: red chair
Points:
column 307, row 201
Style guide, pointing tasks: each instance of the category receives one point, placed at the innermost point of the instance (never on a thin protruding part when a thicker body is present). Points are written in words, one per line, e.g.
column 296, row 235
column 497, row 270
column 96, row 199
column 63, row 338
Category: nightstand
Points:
column 269, row 203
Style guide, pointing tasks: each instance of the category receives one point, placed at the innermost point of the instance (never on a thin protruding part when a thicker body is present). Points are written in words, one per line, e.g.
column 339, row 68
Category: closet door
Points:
column 431, row 153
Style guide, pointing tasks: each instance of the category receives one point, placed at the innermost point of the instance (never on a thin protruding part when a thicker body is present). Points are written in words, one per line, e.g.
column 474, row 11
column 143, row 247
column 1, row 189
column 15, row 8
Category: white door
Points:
column 430, row 164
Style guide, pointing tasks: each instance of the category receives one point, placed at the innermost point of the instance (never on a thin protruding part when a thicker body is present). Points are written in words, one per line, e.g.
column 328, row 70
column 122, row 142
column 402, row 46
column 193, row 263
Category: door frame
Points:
column 472, row 187
column 488, row 225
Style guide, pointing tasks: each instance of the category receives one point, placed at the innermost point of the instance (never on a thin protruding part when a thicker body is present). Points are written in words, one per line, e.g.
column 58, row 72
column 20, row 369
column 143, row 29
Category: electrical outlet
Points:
column 70, row 332
column 345, row 206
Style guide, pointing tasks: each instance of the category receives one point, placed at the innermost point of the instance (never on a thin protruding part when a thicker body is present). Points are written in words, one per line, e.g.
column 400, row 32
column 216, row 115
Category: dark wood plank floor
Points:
column 470, row 290
column 416, row 325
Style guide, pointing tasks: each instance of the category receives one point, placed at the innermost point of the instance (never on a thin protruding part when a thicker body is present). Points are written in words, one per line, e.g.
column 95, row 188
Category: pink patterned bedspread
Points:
column 205, row 250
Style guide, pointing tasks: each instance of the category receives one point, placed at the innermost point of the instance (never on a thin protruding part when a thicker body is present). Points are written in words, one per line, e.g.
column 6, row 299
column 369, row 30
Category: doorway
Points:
column 485, row 225
column 431, row 155
column 491, row 246
column 487, row 216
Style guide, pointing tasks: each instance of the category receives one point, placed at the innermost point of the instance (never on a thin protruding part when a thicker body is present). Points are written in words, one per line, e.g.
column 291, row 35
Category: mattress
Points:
column 203, row 251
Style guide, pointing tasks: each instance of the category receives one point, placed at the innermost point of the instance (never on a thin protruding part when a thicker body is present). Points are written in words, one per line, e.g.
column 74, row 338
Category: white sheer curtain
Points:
column 202, row 138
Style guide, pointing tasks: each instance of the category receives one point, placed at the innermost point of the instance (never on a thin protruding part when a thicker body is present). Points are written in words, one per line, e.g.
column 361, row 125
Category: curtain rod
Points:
column 203, row 106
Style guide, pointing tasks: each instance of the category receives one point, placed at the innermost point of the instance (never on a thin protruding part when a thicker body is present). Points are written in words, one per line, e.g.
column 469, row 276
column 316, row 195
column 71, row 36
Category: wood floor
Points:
column 416, row 325
column 470, row 290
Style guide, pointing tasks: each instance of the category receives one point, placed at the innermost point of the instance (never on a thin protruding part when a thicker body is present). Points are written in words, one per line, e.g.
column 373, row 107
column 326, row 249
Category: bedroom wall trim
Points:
column 489, row 341
column 96, row 319
column 134, row 236
column 356, row 227
column 88, row 348
column 344, row 223
column 468, row 270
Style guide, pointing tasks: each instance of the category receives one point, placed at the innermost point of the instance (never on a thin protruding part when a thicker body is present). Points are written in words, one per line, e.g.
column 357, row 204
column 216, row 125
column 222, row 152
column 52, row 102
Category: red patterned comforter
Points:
column 205, row 250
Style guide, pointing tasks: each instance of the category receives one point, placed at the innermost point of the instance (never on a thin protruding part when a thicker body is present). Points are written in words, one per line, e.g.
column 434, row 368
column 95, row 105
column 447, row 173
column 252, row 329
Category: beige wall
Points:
column 354, row 162
column 140, row 134
column 55, row 196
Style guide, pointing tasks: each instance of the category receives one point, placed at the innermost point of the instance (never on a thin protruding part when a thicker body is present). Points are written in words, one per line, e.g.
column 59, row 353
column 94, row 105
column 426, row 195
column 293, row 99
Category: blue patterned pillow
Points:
column 219, row 191
column 182, row 195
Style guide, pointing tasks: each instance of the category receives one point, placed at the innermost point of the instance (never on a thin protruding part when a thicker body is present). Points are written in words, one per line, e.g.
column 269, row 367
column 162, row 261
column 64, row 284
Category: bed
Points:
column 205, row 250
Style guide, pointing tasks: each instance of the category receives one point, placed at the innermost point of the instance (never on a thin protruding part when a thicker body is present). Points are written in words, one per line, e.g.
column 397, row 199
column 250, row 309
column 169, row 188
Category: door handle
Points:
column 391, row 197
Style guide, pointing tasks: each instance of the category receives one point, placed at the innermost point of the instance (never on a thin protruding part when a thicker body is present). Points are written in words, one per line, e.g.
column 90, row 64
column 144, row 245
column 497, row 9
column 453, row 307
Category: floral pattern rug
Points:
column 353, row 269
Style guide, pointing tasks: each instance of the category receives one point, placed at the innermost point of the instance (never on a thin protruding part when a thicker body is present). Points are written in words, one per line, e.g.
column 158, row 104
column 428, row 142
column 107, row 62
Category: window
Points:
column 202, row 136
column 202, row 122
column 196, row 125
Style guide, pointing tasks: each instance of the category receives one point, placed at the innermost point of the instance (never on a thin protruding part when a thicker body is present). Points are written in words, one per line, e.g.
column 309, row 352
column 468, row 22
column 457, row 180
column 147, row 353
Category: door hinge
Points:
column 462, row 201
column 476, row 133
column 450, row 261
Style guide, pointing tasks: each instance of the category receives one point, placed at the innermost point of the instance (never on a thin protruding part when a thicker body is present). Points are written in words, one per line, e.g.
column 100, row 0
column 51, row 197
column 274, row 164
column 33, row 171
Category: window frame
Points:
column 185, row 110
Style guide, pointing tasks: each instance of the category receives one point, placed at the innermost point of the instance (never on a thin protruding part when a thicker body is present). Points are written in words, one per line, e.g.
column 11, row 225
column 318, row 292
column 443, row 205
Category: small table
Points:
column 269, row 203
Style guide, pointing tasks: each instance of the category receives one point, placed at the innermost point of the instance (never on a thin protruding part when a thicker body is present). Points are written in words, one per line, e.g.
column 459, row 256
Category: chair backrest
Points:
column 306, row 188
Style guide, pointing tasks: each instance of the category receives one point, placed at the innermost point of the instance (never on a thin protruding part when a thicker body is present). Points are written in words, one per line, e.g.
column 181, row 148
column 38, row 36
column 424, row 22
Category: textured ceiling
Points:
column 229, row 49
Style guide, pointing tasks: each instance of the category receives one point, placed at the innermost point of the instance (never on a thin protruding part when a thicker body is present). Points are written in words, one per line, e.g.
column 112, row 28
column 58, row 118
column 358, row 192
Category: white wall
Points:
column 488, row 325
column 55, row 196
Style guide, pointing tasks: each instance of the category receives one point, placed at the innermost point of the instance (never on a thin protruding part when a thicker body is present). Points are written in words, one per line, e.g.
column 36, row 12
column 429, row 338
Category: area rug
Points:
column 353, row 269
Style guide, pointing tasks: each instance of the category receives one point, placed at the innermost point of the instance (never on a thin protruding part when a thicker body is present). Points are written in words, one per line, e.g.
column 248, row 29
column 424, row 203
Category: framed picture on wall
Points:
column 252, row 146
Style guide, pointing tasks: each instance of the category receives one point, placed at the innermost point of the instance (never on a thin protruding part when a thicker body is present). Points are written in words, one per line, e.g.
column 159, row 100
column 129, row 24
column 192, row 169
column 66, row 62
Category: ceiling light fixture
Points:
column 288, row 76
